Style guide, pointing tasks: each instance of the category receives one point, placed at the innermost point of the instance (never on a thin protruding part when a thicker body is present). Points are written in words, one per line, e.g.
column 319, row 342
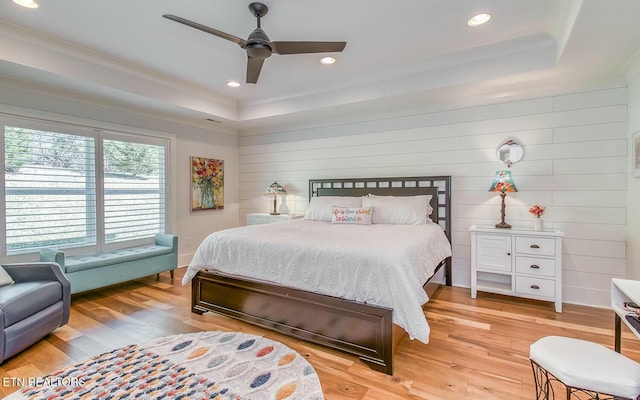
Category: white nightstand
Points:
column 517, row 262
column 624, row 290
column 266, row 218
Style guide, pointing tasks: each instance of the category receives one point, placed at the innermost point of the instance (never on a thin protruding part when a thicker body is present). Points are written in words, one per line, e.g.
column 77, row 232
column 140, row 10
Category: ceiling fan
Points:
column 258, row 46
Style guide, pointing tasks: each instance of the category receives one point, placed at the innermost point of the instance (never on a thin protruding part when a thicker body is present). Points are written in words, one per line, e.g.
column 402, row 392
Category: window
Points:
column 133, row 190
column 77, row 188
column 50, row 192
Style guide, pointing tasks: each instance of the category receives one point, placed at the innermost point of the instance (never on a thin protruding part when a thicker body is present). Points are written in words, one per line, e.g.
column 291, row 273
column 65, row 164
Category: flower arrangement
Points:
column 207, row 171
column 537, row 210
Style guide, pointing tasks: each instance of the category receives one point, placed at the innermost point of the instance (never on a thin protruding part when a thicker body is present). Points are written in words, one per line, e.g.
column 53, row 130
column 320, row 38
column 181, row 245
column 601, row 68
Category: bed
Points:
column 342, row 316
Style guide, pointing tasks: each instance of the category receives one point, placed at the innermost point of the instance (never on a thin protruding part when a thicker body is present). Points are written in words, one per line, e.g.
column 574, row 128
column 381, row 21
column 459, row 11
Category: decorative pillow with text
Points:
column 320, row 208
column 352, row 215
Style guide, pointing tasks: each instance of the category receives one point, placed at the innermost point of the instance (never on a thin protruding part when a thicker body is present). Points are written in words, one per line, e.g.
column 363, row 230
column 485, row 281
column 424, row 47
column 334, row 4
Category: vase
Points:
column 207, row 199
column 538, row 224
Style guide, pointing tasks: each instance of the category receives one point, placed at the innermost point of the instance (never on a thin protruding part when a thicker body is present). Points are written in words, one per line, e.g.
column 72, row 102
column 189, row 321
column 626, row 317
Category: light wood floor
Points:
column 479, row 349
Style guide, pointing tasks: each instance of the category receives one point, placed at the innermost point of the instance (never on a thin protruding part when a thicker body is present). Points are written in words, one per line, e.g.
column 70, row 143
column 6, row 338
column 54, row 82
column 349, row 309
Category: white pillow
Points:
column 352, row 215
column 5, row 278
column 321, row 208
column 399, row 210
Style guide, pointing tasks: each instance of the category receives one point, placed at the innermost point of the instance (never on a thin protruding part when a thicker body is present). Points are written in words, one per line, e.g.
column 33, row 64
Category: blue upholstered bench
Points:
column 93, row 271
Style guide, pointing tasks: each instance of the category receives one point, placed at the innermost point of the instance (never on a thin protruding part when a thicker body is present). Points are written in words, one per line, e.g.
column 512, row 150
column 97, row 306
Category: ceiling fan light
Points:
column 327, row 60
column 26, row 3
column 479, row 19
column 233, row 84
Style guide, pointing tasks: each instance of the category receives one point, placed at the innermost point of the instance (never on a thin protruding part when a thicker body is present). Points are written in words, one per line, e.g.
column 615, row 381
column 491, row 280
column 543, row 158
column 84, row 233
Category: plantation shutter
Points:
column 134, row 190
column 50, row 190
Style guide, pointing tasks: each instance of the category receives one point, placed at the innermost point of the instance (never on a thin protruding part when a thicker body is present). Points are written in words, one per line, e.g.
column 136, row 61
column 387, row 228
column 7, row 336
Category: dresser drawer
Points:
column 535, row 246
column 535, row 266
column 535, row 286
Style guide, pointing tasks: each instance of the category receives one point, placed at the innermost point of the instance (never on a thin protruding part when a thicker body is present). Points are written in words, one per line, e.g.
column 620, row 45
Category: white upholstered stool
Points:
column 583, row 367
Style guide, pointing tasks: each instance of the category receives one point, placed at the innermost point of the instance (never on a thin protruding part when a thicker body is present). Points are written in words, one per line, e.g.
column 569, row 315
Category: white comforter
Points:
column 379, row 264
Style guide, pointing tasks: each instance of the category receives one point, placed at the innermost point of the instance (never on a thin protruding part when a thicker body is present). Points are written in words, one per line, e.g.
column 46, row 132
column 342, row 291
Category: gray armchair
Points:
column 35, row 305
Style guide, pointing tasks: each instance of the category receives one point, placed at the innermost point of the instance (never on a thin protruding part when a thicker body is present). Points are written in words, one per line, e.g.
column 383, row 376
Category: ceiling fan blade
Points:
column 254, row 66
column 306, row 47
column 240, row 42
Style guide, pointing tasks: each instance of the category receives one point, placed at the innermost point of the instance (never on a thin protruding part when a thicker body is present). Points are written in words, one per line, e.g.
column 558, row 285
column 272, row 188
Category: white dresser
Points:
column 517, row 262
column 266, row 218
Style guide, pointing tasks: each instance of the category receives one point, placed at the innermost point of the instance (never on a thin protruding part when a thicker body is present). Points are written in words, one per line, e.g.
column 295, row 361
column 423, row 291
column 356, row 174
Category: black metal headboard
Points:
column 439, row 187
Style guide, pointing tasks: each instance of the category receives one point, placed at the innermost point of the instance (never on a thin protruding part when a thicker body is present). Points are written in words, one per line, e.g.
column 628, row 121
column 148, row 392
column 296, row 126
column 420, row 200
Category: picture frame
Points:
column 635, row 146
column 207, row 184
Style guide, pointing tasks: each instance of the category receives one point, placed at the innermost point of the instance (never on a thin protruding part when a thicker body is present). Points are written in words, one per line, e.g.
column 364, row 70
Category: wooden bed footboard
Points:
column 356, row 328
column 361, row 329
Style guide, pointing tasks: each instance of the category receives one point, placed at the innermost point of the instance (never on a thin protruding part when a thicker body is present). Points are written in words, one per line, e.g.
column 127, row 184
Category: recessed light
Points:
column 26, row 3
column 479, row 19
column 327, row 60
column 233, row 84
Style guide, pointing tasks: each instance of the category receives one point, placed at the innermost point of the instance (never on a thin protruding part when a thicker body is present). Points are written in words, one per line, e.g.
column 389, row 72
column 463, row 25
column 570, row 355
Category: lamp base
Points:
column 274, row 213
column 503, row 225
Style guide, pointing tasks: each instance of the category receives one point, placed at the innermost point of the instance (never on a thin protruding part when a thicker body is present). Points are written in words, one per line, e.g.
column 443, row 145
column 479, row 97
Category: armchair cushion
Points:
column 22, row 300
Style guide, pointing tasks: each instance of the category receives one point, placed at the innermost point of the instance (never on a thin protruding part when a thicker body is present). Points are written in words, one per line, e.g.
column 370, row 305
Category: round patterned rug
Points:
column 212, row 365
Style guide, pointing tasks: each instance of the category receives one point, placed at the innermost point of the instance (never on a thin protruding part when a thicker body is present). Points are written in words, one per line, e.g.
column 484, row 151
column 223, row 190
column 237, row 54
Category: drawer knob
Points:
column 508, row 254
column 535, row 246
column 534, row 266
column 535, row 287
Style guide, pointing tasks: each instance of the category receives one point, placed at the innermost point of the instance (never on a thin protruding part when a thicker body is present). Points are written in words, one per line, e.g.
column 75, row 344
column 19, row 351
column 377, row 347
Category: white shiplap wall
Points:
column 575, row 163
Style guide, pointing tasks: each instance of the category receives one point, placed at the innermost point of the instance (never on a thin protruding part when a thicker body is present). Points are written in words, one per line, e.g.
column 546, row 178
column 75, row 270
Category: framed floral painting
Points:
column 207, row 184
column 635, row 150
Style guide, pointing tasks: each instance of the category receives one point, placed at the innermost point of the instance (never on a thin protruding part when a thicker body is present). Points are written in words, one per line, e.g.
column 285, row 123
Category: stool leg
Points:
column 544, row 390
column 580, row 394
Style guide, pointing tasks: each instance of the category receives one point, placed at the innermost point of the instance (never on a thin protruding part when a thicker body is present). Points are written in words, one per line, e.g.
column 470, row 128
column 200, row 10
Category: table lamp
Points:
column 274, row 190
column 503, row 183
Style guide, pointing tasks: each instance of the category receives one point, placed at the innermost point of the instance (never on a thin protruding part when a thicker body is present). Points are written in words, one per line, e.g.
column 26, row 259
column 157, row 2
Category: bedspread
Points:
column 379, row 264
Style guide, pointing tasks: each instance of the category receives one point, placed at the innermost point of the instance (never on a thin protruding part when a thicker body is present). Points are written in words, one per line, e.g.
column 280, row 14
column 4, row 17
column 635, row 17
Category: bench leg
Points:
column 170, row 273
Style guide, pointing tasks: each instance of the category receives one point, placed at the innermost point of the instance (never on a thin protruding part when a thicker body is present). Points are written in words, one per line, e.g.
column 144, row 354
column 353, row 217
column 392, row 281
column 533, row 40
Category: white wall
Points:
column 186, row 141
column 193, row 227
column 633, row 192
column 575, row 163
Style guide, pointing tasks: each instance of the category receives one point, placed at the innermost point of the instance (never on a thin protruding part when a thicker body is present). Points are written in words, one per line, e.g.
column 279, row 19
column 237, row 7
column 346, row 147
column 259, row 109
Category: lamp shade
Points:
column 503, row 183
column 274, row 189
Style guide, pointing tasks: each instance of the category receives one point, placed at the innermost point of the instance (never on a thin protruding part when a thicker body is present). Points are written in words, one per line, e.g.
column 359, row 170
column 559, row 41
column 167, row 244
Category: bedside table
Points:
column 517, row 262
column 266, row 218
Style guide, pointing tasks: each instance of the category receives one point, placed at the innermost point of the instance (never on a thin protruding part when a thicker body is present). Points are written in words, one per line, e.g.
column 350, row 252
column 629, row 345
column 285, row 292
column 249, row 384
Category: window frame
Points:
column 112, row 135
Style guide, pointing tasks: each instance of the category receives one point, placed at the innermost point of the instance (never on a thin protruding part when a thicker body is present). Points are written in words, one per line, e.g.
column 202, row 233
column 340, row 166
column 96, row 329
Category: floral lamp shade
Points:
column 274, row 190
column 503, row 183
